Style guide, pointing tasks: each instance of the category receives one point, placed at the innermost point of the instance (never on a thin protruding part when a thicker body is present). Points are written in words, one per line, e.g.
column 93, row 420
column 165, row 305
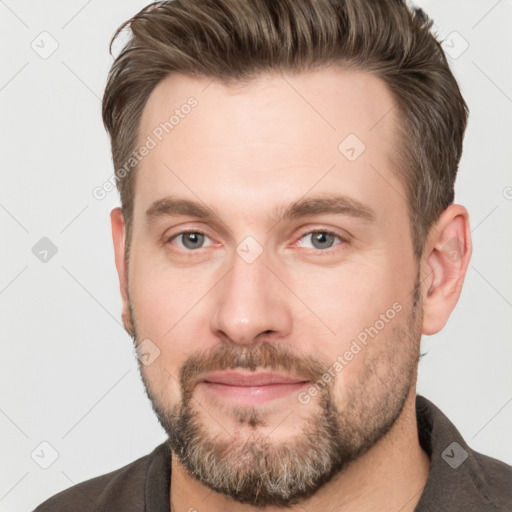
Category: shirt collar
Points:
column 457, row 479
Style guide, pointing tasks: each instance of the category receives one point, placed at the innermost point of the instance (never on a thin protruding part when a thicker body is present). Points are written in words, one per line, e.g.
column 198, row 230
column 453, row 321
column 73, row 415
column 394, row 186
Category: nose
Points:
column 250, row 304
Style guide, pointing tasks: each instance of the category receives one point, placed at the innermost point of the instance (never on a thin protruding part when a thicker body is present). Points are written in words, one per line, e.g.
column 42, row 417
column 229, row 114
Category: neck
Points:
column 390, row 476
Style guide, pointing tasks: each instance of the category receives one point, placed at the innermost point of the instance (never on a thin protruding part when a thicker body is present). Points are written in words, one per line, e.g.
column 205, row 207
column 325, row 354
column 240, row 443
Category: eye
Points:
column 189, row 239
column 321, row 240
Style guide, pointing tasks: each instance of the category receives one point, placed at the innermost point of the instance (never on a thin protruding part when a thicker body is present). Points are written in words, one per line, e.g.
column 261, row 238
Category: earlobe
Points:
column 446, row 259
column 119, row 240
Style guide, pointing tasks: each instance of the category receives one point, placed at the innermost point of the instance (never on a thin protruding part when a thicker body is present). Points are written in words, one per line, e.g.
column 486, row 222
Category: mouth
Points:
column 251, row 389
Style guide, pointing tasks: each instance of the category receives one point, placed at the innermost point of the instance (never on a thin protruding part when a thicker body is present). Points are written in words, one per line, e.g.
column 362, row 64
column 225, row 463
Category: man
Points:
column 287, row 234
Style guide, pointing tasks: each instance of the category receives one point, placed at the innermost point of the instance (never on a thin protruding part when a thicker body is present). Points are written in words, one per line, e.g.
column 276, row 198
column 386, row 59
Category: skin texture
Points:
column 248, row 152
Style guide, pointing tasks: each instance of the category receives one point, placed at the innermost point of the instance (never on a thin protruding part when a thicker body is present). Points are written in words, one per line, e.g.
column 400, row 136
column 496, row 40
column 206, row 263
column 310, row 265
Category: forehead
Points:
column 325, row 104
column 273, row 138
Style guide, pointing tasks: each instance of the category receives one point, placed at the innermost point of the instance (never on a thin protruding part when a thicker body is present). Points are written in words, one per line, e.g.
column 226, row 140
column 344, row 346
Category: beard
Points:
column 249, row 467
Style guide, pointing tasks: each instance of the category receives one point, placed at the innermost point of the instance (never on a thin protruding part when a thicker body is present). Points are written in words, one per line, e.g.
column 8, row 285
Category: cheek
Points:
column 352, row 311
column 163, row 296
column 162, row 303
column 348, row 299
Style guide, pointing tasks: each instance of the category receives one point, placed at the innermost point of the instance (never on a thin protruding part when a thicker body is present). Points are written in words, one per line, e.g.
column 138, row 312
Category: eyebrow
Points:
column 325, row 204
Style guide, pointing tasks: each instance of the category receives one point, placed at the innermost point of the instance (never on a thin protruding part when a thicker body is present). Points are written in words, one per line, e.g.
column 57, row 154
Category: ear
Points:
column 119, row 239
column 445, row 261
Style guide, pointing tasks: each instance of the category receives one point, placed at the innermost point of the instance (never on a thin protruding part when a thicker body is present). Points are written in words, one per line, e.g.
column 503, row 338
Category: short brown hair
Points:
column 235, row 40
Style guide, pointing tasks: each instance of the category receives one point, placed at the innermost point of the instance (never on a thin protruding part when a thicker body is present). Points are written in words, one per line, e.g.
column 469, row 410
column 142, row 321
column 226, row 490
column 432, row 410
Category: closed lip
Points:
column 253, row 379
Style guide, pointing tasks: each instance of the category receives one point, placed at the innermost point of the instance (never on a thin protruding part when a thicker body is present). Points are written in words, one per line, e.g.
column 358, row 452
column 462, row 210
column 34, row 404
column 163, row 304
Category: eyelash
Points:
column 302, row 235
column 326, row 232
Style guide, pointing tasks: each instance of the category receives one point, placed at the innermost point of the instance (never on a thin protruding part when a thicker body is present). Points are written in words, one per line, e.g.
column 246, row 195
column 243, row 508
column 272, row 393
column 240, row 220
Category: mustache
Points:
column 275, row 357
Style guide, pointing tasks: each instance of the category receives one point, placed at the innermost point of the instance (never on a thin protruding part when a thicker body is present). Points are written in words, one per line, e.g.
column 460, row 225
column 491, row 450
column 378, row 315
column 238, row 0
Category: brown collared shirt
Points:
column 460, row 479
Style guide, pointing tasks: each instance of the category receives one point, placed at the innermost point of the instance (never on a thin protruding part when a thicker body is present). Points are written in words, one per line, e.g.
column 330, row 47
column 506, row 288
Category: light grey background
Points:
column 68, row 371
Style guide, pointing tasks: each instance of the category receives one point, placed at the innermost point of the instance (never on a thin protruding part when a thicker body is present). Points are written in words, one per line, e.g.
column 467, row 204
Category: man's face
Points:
column 323, row 295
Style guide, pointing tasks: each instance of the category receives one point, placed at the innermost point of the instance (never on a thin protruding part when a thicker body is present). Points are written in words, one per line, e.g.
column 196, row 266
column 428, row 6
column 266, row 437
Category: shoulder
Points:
column 491, row 478
column 121, row 489
column 460, row 478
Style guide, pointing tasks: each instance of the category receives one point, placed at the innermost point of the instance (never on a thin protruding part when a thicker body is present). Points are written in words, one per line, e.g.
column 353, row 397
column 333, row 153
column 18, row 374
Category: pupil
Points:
column 193, row 240
column 322, row 238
